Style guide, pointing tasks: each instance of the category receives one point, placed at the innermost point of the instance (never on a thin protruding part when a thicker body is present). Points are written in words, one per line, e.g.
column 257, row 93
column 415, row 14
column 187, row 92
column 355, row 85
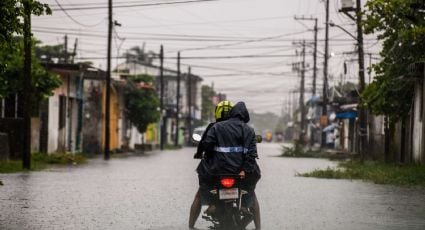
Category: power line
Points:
column 271, row 74
column 158, row 38
column 150, row 34
column 218, row 22
column 74, row 20
column 210, row 57
column 130, row 5
column 249, row 41
column 93, row 34
column 237, row 56
column 96, row 3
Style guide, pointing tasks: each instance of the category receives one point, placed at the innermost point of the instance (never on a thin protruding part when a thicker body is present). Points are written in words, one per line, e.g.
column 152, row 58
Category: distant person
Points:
column 330, row 139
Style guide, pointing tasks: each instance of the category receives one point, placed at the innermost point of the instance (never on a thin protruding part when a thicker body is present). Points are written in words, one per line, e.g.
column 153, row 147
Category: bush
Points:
column 41, row 161
column 297, row 150
column 59, row 158
column 377, row 172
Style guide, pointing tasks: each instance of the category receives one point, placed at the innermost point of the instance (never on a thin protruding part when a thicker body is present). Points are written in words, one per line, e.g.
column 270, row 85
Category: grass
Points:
column 41, row 161
column 301, row 151
column 297, row 150
column 377, row 172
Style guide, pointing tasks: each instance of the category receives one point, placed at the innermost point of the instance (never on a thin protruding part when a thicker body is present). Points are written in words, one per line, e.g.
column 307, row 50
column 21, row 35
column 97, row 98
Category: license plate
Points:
column 226, row 194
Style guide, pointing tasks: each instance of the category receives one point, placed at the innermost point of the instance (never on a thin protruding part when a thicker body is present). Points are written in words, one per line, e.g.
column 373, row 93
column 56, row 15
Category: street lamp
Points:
column 331, row 24
column 362, row 111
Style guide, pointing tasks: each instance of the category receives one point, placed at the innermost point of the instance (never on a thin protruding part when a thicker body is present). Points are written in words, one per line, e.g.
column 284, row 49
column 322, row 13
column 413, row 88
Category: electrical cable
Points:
column 130, row 5
column 74, row 20
column 238, row 43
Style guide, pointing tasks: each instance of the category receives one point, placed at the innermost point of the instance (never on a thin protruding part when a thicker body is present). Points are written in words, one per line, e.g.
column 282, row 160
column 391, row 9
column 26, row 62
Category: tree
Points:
column 51, row 54
column 11, row 23
column 138, row 54
column 142, row 102
column 401, row 28
column 207, row 93
column 11, row 79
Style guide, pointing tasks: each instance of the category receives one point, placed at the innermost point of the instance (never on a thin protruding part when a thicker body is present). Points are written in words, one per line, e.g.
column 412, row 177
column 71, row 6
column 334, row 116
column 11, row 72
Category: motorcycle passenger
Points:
column 231, row 149
column 222, row 111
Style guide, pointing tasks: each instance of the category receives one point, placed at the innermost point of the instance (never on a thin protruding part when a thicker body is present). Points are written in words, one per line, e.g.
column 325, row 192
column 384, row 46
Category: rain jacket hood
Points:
column 240, row 111
column 230, row 145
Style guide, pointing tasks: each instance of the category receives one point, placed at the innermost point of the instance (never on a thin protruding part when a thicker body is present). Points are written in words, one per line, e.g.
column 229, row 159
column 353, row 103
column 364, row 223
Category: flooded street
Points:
column 155, row 191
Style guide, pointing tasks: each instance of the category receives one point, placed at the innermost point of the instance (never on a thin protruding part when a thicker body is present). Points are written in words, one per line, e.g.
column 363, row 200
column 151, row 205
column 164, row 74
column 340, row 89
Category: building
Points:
column 170, row 96
column 59, row 127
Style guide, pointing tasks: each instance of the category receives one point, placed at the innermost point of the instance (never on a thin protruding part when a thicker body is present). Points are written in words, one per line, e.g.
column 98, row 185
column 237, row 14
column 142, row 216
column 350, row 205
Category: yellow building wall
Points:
column 114, row 119
column 151, row 134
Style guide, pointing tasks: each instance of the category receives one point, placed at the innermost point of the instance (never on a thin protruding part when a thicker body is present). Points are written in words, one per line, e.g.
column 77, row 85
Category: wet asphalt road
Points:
column 155, row 192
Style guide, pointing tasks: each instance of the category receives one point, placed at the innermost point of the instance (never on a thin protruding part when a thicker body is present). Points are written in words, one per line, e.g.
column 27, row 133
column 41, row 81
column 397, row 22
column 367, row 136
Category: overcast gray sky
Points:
column 221, row 28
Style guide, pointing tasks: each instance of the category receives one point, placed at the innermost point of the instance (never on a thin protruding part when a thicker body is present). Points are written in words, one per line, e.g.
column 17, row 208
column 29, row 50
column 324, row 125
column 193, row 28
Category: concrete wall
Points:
column 376, row 136
column 73, row 132
column 35, row 134
column 53, row 124
column 4, row 147
column 135, row 137
column 418, row 125
column 92, row 117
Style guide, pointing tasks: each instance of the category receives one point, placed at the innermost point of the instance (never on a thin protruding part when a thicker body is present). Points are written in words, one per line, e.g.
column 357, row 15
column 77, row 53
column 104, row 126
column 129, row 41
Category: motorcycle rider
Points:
column 231, row 148
column 222, row 111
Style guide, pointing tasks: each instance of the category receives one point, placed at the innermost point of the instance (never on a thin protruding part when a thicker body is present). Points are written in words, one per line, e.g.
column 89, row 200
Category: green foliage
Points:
column 48, row 53
column 208, row 107
column 142, row 102
column 138, row 54
column 376, row 172
column 59, row 158
column 11, row 78
column 264, row 121
column 41, row 161
column 402, row 30
column 297, row 150
column 11, row 20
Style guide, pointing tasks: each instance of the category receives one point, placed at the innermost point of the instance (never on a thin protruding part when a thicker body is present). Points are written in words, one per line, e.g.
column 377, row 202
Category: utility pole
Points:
column 26, row 149
column 161, row 99
column 363, row 112
column 370, row 67
column 302, row 18
column 302, row 107
column 176, row 141
column 316, row 30
column 362, row 133
column 66, row 49
column 189, row 124
column 74, row 52
column 108, row 86
column 300, row 68
column 325, row 72
column 212, row 116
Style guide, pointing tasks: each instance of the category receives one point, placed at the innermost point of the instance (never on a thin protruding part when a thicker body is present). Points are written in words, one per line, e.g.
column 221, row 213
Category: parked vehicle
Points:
column 268, row 136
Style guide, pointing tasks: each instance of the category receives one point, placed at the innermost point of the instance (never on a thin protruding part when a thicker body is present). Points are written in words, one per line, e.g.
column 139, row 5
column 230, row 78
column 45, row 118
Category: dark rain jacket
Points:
column 200, row 149
column 230, row 145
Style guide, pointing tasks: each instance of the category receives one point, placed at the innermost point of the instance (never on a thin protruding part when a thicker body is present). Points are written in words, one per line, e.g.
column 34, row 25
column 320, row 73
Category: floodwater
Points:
column 155, row 191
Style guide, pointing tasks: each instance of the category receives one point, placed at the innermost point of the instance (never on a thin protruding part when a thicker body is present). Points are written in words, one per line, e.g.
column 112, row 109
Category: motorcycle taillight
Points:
column 227, row 182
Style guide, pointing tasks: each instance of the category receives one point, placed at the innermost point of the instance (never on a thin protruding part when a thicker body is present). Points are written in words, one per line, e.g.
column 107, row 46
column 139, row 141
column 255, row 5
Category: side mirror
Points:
column 258, row 138
column 196, row 138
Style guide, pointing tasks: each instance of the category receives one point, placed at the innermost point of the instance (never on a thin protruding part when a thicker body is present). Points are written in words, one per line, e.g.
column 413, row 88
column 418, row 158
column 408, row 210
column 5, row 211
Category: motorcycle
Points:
column 228, row 194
